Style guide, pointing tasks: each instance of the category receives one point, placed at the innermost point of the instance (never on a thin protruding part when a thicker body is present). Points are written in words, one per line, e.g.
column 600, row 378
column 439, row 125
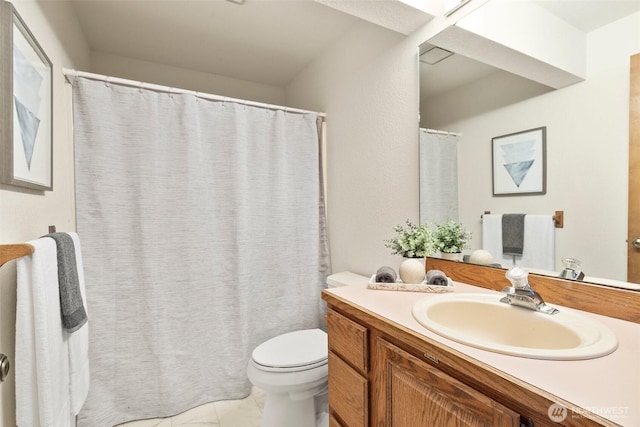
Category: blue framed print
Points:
column 519, row 163
column 26, row 108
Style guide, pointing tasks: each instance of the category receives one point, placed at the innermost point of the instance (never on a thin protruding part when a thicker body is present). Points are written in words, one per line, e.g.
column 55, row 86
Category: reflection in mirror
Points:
column 479, row 102
column 446, row 85
column 442, row 73
column 438, row 176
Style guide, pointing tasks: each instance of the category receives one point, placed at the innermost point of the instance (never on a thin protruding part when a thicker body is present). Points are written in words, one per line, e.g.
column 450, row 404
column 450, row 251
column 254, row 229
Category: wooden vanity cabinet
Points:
column 384, row 375
column 410, row 393
column 407, row 391
column 348, row 372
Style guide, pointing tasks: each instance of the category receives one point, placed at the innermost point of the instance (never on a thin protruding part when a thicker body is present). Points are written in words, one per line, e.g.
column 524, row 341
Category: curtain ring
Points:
column 107, row 81
column 141, row 87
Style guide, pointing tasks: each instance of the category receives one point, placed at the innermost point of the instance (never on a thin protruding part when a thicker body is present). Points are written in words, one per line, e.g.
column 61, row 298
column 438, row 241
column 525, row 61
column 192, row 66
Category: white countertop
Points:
column 608, row 386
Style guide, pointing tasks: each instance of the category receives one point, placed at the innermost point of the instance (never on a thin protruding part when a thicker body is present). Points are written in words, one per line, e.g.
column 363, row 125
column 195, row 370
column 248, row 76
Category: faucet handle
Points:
column 518, row 277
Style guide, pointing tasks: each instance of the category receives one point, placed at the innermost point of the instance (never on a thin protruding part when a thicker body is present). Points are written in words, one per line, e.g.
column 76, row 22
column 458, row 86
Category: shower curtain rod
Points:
column 442, row 132
column 159, row 88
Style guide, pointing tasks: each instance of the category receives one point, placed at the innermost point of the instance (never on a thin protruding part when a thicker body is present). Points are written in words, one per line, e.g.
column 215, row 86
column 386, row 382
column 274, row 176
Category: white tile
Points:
column 203, row 415
column 260, row 397
column 238, row 413
column 155, row 422
column 245, row 412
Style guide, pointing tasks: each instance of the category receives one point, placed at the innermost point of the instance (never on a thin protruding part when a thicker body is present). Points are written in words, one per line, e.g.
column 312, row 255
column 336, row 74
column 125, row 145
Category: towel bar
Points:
column 18, row 250
column 558, row 218
column 11, row 252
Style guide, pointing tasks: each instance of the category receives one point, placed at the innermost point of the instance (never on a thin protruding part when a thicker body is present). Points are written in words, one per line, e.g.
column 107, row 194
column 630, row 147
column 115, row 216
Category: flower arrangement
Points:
column 451, row 237
column 412, row 241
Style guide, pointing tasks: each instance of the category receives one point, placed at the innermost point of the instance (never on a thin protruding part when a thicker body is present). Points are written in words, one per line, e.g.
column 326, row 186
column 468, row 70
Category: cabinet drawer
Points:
column 348, row 393
column 348, row 339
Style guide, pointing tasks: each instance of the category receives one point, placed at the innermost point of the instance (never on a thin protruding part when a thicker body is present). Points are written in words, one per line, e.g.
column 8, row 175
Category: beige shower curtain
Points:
column 202, row 227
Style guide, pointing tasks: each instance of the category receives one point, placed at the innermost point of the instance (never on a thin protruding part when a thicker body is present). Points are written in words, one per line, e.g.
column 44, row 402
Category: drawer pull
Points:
column 431, row 358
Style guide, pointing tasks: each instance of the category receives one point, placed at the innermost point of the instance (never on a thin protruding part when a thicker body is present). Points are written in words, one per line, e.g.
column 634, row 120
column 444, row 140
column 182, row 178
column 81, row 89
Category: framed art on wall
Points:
column 26, row 113
column 519, row 163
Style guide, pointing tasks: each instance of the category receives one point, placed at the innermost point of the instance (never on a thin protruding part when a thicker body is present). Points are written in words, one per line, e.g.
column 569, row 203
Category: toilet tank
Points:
column 346, row 278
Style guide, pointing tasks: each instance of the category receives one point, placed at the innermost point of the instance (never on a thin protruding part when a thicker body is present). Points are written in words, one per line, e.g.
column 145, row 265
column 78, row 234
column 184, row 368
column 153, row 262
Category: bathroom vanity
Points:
column 386, row 369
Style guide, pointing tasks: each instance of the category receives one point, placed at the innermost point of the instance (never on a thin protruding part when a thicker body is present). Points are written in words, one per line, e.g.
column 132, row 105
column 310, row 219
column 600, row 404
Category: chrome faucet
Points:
column 520, row 293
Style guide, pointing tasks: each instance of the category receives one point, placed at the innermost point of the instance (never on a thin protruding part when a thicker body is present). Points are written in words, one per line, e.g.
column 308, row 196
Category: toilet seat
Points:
column 293, row 351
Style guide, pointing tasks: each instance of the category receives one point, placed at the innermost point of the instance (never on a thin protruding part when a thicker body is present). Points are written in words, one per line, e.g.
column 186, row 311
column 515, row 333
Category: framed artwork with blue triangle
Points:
column 520, row 163
column 26, row 107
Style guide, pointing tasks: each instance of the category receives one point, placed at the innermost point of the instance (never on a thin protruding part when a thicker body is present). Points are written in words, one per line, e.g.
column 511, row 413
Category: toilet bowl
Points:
column 292, row 370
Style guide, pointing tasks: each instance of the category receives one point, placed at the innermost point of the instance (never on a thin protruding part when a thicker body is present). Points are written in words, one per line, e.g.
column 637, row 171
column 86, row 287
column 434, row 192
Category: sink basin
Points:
column 482, row 321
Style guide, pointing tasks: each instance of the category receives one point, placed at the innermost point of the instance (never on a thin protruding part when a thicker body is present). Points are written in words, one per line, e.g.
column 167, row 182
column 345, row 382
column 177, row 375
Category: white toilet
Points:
column 292, row 370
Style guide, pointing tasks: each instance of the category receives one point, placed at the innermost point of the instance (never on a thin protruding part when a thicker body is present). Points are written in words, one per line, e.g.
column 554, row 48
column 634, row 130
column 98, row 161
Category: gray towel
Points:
column 512, row 234
column 71, row 305
column 437, row 277
column 386, row 275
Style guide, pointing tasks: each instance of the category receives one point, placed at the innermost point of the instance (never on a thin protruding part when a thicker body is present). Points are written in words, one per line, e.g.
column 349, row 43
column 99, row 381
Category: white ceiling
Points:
column 587, row 15
column 263, row 41
column 267, row 41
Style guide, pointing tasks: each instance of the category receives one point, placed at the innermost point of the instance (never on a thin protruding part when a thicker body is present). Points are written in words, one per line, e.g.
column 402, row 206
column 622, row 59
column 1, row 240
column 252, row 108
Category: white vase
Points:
column 412, row 270
column 457, row 256
column 421, row 259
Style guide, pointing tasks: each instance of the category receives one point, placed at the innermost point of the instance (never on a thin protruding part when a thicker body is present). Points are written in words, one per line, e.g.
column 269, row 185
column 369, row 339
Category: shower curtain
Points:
column 202, row 229
column 438, row 176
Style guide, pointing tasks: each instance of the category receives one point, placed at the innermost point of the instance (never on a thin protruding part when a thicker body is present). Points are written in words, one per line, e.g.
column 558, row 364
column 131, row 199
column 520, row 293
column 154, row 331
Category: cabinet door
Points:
column 333, row 422
column 409, row 392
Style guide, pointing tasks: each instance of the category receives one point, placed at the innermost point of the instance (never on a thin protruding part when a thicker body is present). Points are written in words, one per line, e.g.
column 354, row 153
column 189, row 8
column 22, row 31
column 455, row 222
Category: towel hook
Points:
column 558, row 218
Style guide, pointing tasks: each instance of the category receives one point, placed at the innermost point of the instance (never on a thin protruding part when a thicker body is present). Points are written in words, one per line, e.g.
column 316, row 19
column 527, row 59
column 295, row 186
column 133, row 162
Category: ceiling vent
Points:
column 434, row 55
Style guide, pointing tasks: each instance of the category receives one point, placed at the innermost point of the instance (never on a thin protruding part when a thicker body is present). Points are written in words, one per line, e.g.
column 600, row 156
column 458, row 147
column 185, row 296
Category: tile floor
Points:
column 227, row 413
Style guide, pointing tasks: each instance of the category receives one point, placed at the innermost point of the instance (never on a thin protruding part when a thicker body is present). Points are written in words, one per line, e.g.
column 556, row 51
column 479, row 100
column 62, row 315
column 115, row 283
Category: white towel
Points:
column 79, row 345
column 539, row 242
column 47, row 355
column 52, row 369
column 27, row 412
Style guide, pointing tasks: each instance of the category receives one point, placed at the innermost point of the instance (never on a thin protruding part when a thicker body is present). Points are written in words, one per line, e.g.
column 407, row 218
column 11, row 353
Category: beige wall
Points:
column 368, row 86
column 25, row 214
column 149, row 72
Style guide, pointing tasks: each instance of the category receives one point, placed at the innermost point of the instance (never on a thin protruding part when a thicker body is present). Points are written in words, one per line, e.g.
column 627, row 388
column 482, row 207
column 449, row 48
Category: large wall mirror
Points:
column 587, row 127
